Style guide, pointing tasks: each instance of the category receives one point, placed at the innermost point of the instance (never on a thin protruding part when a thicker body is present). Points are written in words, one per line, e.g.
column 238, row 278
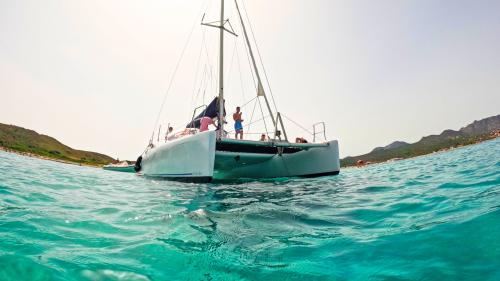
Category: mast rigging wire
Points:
column 300, row 126
column 228, row 71
column 258, row 120
column 239, row 70
column 262, row 112
column 175, row 72
column 248, row 102
column 260, row 58
column 196, row 73
column 251, row 117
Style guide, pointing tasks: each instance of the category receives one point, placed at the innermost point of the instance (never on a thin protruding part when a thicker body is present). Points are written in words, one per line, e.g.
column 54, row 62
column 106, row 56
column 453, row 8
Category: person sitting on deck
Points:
column 263, row 137
column 300, row 140
column 277, row 134
column 205, row 122
column 360, row 163
column 238, row 126
column 168, row 135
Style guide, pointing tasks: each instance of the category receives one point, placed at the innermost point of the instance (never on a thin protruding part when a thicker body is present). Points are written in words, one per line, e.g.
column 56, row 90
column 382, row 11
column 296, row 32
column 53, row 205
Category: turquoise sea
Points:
column 435, row 217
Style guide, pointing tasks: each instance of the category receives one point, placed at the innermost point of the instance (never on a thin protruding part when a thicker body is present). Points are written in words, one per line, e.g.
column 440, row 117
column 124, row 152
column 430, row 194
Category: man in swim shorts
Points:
column 238, row 126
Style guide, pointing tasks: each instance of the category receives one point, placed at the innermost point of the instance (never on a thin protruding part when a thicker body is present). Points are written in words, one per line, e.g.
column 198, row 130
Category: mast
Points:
column 260, row 89
column 221, row 71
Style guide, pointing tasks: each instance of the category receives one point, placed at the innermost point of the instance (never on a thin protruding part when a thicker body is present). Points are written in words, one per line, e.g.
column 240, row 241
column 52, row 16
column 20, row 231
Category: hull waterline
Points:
column 201, row 158
column 124, row 169
column 291, row 160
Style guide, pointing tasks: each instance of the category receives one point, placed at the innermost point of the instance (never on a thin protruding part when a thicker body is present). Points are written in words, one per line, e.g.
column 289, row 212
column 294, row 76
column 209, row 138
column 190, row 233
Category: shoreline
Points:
column 33, row 155
column 442, row 150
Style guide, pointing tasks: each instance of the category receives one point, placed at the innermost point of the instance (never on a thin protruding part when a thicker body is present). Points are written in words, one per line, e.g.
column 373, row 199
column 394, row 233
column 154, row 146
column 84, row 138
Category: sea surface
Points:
column 435, row 217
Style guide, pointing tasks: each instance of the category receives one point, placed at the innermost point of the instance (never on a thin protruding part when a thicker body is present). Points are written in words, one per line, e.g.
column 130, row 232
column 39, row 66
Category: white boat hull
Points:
column 190, row 158
column 200, row 157
column 310, row 162
column 125, row 169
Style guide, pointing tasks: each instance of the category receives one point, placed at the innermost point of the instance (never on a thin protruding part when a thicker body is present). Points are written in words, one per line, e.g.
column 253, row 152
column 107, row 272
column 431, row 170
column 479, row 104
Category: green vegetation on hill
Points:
column 475, row 132
column 28, row 141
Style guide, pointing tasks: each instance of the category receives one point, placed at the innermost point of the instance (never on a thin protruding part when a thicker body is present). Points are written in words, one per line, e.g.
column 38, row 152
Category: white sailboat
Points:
column 193, row 155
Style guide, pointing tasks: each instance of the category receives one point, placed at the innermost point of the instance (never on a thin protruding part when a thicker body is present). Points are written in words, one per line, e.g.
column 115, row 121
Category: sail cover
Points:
column 212, row 110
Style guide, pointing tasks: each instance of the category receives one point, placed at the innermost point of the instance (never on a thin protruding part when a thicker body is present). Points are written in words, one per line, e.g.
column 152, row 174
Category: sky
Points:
column 93, row 74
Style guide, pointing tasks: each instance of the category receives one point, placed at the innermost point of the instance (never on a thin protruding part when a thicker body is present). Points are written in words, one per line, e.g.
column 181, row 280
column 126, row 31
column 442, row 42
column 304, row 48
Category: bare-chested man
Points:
column 238, row 126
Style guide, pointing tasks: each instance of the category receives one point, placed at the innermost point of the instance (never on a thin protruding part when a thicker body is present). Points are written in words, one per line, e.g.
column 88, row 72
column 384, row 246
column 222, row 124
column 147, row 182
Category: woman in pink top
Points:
column 205, row 122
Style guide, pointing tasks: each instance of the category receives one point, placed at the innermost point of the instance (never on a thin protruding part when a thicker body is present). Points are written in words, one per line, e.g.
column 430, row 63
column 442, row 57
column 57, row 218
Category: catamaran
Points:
column 206, row 155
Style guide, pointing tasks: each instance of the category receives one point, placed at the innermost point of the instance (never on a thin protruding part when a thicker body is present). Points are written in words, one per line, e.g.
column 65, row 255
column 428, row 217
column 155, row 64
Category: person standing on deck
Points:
column 238, row 126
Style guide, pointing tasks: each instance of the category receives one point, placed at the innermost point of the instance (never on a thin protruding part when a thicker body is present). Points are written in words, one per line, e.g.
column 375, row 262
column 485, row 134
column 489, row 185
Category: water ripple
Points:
column 428, row 218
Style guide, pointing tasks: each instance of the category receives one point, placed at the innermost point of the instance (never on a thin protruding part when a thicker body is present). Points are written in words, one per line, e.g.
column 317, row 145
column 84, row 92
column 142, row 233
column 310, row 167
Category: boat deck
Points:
column 272, row 143
column 264, row 147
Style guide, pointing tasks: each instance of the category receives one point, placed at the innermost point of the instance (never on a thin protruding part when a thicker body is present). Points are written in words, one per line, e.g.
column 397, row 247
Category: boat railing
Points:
column 194, row 113
column 271, row 142
column 322, row 130
column 181, row 134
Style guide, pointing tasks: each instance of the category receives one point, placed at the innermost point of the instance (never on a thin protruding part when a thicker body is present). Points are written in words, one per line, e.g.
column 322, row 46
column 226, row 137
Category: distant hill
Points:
column 28, row 141
column 393, row 145
column 482, row 126
column 475, row 132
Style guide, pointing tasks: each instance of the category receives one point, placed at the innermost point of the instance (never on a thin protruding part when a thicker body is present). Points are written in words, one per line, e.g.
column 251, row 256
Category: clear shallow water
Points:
column 435, row 217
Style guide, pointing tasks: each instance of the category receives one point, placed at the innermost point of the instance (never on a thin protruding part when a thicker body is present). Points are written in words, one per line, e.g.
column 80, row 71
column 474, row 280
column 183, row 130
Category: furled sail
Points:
column 211, row 111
